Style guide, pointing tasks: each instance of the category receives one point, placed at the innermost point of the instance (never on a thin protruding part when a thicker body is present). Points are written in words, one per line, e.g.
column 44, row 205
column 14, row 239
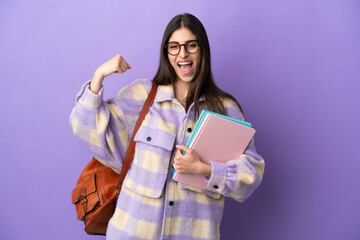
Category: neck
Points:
column 181, row 91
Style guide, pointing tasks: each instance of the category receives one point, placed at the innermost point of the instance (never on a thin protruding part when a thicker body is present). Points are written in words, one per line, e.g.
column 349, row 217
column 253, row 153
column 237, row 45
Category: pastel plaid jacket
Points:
column 151, row 205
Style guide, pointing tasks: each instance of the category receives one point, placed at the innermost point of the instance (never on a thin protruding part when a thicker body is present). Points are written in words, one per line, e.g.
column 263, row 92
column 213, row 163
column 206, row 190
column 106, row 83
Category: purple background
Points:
column 293, row 65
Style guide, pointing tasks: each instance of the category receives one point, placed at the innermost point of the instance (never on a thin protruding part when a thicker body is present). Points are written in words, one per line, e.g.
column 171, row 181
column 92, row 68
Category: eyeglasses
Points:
column 173, row 48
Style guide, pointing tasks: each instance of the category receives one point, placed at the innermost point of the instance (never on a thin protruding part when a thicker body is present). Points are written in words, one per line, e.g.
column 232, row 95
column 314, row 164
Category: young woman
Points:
column 151, row 205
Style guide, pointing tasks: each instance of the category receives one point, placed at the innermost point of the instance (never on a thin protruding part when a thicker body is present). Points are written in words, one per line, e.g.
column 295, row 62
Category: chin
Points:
column 186, row 79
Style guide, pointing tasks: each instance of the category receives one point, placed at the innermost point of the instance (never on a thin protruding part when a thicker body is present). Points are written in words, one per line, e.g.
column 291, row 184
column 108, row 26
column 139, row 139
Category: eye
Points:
column 192, row 45
column 173, row 46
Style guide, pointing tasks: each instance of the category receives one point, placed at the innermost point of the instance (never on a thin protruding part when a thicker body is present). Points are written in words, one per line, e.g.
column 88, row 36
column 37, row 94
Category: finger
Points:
column 121, row 68
column 125, row 66
column 178, row 154
column 117, row 57
column 120, row 71
column 183, row 148
column 124, row 62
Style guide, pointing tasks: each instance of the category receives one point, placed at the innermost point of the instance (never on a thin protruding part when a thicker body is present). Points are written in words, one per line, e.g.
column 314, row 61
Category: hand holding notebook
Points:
column 188, row 161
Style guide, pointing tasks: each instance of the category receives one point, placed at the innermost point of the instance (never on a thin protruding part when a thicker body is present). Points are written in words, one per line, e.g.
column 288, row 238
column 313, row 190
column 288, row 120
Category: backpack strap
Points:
column 131, row 149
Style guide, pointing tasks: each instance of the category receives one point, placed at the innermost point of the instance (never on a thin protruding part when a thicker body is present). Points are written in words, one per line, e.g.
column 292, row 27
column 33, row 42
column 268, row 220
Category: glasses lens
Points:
column 192, row 47
column 173, row 48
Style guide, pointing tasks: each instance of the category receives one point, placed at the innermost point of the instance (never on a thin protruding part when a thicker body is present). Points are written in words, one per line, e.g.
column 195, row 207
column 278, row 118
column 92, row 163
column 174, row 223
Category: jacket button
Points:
column 171, row 203
column 189, row 130
column 216, row 186
column 148, row 139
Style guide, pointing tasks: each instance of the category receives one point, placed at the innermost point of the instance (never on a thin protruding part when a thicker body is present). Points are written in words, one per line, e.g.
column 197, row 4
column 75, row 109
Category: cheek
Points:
column 172, row 62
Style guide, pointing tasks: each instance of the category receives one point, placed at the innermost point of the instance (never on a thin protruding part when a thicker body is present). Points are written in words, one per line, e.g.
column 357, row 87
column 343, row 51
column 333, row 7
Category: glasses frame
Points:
column 187, row 42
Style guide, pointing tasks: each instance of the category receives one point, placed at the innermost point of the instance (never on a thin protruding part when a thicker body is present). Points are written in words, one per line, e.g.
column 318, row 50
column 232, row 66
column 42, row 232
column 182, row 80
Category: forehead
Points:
column 182, row 35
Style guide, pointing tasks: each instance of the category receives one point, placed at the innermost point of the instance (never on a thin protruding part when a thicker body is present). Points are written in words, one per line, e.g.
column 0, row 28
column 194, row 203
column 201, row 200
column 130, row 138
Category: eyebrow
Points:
column 185, row 42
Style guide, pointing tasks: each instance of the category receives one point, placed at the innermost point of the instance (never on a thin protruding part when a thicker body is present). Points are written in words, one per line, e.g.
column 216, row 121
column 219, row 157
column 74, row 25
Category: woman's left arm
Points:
column 235, row 178
column 238, row 178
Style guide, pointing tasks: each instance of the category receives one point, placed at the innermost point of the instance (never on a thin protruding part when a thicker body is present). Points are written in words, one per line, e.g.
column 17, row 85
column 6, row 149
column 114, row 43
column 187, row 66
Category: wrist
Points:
column 98, row 74
column 204, row 169
column 96, row 82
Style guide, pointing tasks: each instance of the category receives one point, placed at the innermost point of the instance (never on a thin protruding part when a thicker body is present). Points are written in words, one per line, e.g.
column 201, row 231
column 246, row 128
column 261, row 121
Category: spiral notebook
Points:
column 218, row 138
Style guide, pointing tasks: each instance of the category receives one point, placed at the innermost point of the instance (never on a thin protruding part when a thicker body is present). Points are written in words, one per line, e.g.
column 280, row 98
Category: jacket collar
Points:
column 166, row 93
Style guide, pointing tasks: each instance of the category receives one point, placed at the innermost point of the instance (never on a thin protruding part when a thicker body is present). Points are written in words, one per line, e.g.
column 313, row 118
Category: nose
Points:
column 183, row 53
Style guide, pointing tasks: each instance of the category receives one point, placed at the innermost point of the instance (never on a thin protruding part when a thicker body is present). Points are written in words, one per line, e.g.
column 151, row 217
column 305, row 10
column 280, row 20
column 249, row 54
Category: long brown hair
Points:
column 203, row 83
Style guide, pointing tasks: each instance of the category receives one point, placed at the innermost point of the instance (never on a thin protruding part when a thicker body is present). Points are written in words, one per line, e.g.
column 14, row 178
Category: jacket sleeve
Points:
column 101, row 126
column 237, row 178
column 105, row 127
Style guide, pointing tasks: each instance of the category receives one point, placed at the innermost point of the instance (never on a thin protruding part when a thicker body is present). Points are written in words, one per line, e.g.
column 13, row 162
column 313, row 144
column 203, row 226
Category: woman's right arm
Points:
column 101, row 125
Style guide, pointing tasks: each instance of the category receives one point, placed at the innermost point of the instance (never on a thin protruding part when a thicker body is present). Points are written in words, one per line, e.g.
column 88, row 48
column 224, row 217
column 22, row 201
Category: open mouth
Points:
column 185, row 67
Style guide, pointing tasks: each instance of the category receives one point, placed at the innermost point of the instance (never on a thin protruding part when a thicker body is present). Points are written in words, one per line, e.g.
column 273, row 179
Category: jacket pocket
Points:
column 150, row 165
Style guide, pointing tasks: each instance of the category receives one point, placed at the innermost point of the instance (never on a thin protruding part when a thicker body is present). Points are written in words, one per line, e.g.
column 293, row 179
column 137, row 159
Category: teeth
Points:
column 184, row 63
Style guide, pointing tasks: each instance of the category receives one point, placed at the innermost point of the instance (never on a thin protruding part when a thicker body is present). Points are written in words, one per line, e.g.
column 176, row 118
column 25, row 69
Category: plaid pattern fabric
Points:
column 151, row 205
